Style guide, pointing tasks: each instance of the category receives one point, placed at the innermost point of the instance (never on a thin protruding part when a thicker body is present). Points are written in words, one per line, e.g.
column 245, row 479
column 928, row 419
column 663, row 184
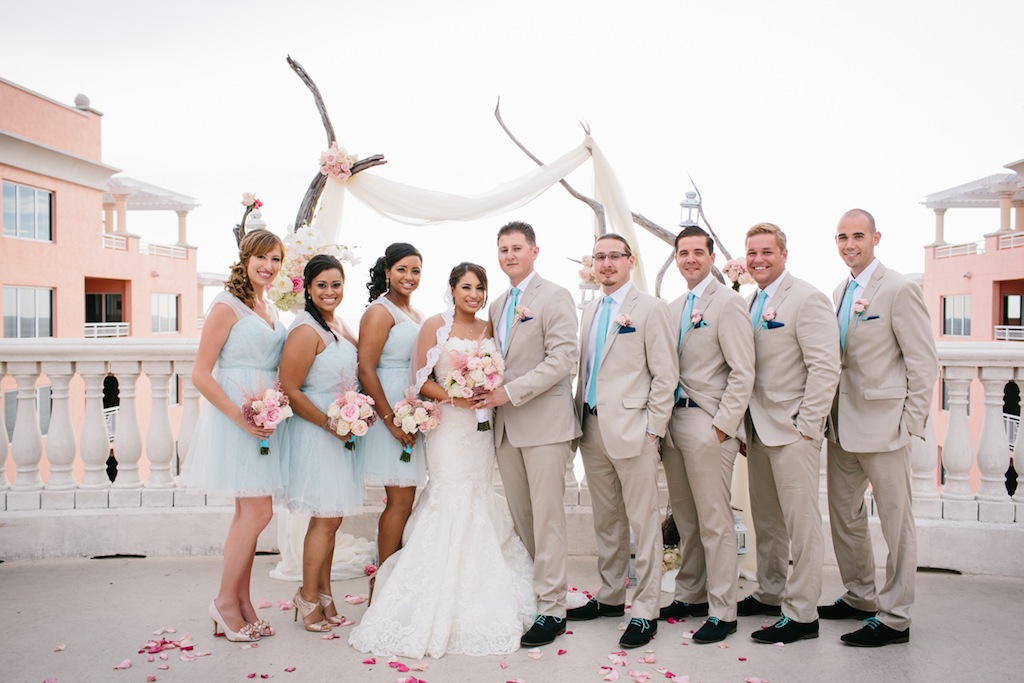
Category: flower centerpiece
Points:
column 414, row 415
column 475, row 372
column 350, row 415
column 266, row 408
column 300, row 246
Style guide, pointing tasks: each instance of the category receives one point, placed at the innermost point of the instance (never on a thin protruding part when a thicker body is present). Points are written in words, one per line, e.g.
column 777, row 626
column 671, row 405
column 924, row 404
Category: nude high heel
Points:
column 327, row 601
column 307, row 608
column 246, row 634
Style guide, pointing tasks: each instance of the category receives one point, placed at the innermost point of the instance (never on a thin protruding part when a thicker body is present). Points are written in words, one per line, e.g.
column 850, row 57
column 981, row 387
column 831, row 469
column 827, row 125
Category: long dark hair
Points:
column 378, row 284
column 467, row 267
column 314, row 267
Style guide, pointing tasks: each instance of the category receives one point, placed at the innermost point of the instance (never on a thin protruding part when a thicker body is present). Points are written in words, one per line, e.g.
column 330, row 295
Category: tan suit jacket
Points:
column 716, row 359
column 797, row 365
column 540, row 354
column 636, row 378
column 889, row 367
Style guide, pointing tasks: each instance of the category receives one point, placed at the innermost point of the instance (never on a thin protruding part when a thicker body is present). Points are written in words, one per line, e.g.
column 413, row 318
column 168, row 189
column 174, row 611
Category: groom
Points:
column 535, row 325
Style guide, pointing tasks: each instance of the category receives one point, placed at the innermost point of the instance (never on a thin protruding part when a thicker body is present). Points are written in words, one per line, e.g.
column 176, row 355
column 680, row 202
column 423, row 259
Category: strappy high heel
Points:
column 307, row 608
column 263, row 627
column 328, row 601
column 246, row 634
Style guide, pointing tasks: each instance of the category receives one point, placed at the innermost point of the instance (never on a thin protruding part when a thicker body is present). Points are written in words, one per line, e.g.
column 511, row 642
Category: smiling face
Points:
column 856, row 239
column 326, row 291
column 263, row 268
column 404, row 275
column 469, row 293
column 612, row 265
column 765, row 260
column 516, row 256
column 693, row 259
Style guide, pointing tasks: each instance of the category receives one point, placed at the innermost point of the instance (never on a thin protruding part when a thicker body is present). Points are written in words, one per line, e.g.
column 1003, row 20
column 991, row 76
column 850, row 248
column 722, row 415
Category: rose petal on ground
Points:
column 50, row 680
column 163, row 656
column 60, row 648
column 568, row 633
column 368, row 660
column 346, row 622
column 247, row 646
column 398, row 666
column 419, row 666
column 561, row 652
column 289, row 669
column 504, row 665
column 151, row 679
column 723, row 646
column 285, row 605
column 163, row 667
column 639, row 676
column 330, row 636
column 755, row 679
column 612, row 675
column 164, row 629
column 688, row 635
column 354, row 599
column 264, row 675
column 252, row 675
column 534, row 653
column 648, row 659
column 125, row 664
column 150, row 658
column 264, row 603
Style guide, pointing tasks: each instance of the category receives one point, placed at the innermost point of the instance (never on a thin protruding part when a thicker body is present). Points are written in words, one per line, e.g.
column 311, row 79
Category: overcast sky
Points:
column 783, row 112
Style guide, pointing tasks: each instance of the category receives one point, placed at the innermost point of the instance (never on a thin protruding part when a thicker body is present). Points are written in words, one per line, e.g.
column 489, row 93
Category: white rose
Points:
column 408, row 425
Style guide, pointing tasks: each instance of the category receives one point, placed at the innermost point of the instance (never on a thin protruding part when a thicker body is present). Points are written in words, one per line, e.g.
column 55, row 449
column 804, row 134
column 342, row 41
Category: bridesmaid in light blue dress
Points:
column 239, row 352
column 387, row 333
column 323, row 478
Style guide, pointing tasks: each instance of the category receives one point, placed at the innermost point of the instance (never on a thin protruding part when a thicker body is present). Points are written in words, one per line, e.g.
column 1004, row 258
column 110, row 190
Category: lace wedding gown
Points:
column 462, row 582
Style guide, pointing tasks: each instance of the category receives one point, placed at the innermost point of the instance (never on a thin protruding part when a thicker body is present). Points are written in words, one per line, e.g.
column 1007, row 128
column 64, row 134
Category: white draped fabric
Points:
column 418, row 206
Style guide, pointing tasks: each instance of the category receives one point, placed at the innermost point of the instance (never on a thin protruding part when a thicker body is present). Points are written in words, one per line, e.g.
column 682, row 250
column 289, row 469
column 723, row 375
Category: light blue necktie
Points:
column 685, row 325
column 755, row 315
column 602, row 333
column 510, row 314
column 844, row 313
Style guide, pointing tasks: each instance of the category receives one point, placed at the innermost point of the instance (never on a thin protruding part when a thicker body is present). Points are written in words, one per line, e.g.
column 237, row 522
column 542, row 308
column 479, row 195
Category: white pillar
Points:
column 4, row 447
column 159, row 440
column 924, row 462
column 958, row 501
column 108, row 218
column 1018, row 215
column 27, row 442
column 1018, row 459
column 127, row 488
column 182, row 231
column 95, row 441
column 1005, row 199
column 121, row 206
column 59, row 493
column 940, row 223
column 189, row 416
column 993, row 452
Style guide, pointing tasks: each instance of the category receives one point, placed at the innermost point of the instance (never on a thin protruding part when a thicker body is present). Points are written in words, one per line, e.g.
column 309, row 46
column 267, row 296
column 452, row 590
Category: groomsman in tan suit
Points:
column 796, row 345
column 716, row 376
column 627, row 374
column 885, row 389
column 535, row 324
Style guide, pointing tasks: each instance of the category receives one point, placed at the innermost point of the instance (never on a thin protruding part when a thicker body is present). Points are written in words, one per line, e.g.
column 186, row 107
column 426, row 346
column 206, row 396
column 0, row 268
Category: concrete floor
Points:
column 966, row 628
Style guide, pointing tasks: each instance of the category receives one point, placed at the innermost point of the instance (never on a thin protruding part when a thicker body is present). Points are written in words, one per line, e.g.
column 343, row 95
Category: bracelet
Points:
column 388, row 416
column 327, row 424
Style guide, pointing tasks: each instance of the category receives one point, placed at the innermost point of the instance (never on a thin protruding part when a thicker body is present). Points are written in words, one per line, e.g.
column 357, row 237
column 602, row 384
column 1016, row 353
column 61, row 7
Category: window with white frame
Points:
column 28, row 212
column 956, row 316
column 165, row 312
column 28, row 312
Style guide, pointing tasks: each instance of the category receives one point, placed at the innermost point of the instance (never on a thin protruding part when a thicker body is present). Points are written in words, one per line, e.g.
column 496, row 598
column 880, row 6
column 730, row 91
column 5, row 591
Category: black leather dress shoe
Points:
column 594, row 609
column 841, row 609
column 876, row 634
column 638, row 633
column 714, row 631
column 786, row 631
column 679, row 609
column 749, row 606
column 544, row 630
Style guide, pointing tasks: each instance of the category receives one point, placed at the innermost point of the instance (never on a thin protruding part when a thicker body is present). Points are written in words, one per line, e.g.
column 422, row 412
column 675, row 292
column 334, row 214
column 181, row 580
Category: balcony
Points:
column 1011, row 241
column 115, row 242
column 102, row 330
column 972, row 529
column 165, row 250
column 966, row 249
column 1008, row 333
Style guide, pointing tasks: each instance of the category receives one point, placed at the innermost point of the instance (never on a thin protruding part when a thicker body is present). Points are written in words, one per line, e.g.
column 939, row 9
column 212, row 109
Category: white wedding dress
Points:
column 463, row 581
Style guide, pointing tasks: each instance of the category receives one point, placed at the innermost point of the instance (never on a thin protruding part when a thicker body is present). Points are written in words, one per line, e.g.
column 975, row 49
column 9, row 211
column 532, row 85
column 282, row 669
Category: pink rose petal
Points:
column 263, row 604
column 285, row 605
column 568, row 633
column 742, row 659
column 561, row 652
column 150, row 658
column 151, row 679
column 330, row 636
column 289, row 669
column 163, row 656
column 370, row 660
column 354, row 599
column 165, row 629
column 264, row 675
column 60, row 648
column 755, row 679
column 504, row 665
column 163, row 667
column 252, row 675
column 612, row 675
column 346, row 622
column 125, row 664
column 419, row 666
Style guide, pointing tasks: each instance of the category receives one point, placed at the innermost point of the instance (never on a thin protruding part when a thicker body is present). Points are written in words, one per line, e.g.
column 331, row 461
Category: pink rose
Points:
column 296, row 284
column 350, row 412
column 272, row 416
column 370, row 569
column 769, row 314
column 696, row 317
column 860, row 305
column 623, row 320
column 359, row 428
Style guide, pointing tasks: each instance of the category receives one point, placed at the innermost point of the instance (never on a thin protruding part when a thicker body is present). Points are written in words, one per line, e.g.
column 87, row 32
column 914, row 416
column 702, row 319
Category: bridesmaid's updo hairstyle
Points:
column 378, row 284
column 255, row 243
column 467, row 267
column 314, row 267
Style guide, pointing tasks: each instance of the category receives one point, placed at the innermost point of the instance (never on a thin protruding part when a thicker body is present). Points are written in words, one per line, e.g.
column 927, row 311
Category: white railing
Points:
column 950, row 250
column 1008, row 333
column 97, row 330
column 1011, row 241
column 166, row 250
column 1012, row 424
column 117, row 242
column 200, row 321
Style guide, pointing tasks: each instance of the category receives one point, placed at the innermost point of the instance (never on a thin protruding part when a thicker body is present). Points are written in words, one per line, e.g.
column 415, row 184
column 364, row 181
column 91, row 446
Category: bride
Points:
column 462, row 582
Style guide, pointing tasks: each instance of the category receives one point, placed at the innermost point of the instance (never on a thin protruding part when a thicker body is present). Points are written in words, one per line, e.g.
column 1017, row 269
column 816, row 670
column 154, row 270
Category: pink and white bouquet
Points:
column 414, row 415
column 267, row 408
column 300, row 246
column 337, row 162
column 586, row 273
column 351, row 414
column 737, row 273
column 475, row 372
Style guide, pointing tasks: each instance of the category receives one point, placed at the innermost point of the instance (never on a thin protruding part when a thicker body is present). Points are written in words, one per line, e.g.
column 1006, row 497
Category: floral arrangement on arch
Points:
column 587, row 274
column 299, row 247
column 337, row 162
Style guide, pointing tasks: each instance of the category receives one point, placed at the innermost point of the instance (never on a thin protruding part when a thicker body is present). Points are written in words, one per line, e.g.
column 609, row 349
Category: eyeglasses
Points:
column 612, row 256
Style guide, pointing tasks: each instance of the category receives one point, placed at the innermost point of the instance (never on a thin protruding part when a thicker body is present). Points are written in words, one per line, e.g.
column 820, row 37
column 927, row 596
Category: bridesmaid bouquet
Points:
column 351, row 415
column 480, row 370
column 414, row 415
column 266, row 408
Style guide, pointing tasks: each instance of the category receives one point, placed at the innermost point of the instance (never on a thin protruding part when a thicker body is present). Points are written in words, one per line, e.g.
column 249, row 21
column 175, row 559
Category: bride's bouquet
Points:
column 475, row 372
column 413, row 415
column 266, row 408
column 350, row 414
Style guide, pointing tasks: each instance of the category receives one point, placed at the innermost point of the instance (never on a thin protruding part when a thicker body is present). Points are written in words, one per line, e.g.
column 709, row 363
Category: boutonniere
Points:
column 625, row 323
column 768, row 318
column 522, row 314
column 697, row 319
column 859, row 306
